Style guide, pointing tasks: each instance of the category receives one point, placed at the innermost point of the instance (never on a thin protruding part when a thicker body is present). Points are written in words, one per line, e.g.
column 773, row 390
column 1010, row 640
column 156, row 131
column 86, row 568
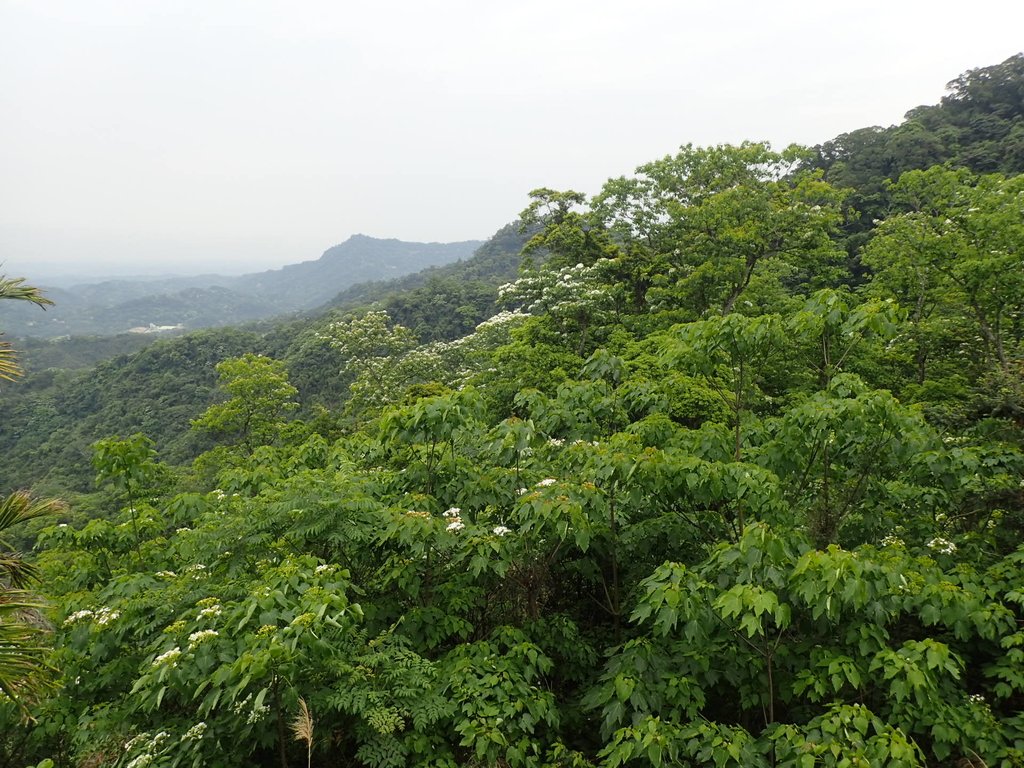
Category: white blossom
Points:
column 78, row 616
column 239, row 706
column 195, row 733
column 504, row 317
column 455, row 526
column 135, row 741
column 942, row 546
column 104, row 615
column 197, row 637
column 547, row 481
column 167, row 657
column 501, row 530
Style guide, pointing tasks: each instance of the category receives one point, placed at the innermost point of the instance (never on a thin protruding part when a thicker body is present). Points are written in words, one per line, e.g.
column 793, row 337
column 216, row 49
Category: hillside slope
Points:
column 203, row 301
column 54, row 415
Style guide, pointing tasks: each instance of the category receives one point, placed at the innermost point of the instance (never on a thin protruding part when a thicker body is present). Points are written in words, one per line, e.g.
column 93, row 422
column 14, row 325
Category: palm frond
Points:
column 23, row 670
column 16, row 571
column 20, row 507
column 9, row 368
column 15, row 288
column 15, row 508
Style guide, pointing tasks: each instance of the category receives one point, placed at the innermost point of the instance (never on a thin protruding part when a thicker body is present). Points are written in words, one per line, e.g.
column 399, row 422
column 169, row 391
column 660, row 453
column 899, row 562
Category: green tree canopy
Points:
column 259, row 397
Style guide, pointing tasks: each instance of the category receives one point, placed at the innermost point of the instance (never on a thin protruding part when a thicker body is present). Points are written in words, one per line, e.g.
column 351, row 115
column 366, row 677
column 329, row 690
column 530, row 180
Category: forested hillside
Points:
column 978, row 125
column 204, row 301
column 719, row 477
column 56, row 412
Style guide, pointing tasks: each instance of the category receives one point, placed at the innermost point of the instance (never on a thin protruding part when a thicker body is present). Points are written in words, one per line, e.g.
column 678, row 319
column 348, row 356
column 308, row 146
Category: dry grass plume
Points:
column 302, row 727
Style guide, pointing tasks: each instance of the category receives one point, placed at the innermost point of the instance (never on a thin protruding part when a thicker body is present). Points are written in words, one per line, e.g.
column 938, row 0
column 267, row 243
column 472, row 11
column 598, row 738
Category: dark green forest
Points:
column 721, row 466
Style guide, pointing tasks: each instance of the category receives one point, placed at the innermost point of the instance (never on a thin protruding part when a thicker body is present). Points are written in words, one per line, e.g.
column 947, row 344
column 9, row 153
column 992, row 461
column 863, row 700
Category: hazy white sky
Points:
column 237, row 135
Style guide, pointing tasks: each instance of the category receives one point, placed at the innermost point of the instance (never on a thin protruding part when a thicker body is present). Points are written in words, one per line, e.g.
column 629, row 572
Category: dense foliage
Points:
column 696, row 495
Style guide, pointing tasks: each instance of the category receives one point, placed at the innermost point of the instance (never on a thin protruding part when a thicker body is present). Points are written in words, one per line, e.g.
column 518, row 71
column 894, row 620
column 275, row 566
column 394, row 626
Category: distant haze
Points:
column 178, row 136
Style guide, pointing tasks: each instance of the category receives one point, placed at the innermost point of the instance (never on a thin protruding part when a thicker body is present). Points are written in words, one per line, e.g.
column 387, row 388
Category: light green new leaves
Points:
column 259, row 397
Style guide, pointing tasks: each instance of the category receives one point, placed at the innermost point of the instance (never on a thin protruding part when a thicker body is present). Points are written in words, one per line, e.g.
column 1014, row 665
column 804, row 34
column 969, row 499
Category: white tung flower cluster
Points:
column 195, row 733
column 240, row 706
column 197, row 637
column 547, row 481
column 101, row 616
column 501, row 530
column 255, row 714
column 210, row 612
column 567, row 291
column 454, row 517
column 129, row 745
column 78, row 616
column 505, row 290
column 504, row 317
column 168, row 657
column 941, row 545
column 104, row 615
column 150, row 746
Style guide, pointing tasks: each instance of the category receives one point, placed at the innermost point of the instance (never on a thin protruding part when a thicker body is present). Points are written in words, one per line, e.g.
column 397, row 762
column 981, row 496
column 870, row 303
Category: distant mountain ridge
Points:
column 309, row 284
column 115, row 306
